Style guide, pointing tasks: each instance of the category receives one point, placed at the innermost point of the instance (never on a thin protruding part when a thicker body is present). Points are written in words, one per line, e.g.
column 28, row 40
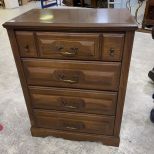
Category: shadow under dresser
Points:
column 73, row 66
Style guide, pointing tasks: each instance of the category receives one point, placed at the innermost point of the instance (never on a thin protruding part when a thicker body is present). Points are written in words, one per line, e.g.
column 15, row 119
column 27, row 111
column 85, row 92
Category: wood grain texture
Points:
column 81, row 97
column 75, row 19
column 72, row 74
column 69, row 46
column 112, row 46
column 26, row 44
column 107, row 140
column 123, row 80
column 21, row 74
column 74, row 122
column 62, row 99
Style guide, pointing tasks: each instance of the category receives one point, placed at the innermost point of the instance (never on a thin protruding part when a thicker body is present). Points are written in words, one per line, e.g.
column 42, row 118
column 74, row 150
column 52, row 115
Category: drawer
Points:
column 112, row 47
column 97, row 102
column 26, row 44
column 68, row 45
column 72, row 74
column 74, row 122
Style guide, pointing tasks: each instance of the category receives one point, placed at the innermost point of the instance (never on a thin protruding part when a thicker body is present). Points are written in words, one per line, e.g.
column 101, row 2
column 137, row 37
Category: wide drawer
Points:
column 72, row 74
column 74, row 122
column 87, row 101
column 68, row 45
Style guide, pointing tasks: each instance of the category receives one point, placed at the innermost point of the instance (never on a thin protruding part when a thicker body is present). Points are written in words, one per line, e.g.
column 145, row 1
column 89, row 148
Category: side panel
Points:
column 15, row 50
column 123, row 80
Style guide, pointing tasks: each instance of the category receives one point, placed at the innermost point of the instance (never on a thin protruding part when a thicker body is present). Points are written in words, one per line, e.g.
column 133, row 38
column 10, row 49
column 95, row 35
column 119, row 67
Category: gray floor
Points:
column 137, row 133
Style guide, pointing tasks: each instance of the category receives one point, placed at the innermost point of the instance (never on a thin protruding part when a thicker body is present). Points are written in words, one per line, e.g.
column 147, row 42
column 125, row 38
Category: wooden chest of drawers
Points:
column 73, row 66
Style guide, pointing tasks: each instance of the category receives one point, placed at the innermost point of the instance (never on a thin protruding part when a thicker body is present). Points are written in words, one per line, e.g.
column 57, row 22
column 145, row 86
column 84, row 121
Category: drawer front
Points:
column 112, row 47
column 74, row 100
column 26, row 44
column 86, row 75
column 74, row 122
column 68, row 45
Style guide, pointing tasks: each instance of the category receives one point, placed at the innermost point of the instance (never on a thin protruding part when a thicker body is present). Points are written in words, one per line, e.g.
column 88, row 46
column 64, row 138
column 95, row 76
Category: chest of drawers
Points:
column 73, row 66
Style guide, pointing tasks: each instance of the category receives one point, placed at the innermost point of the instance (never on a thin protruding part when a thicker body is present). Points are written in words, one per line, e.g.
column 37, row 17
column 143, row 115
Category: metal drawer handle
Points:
column 71, row 103
column 112, row 52
column 70, row 106
column 72, row 52
column 68, row 80
column 72, row 128
column 26, row 48
column 66, row 105
column 65, row 53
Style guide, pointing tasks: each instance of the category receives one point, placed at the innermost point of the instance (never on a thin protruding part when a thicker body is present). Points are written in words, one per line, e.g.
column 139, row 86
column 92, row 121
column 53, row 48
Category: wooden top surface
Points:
column 82, row 18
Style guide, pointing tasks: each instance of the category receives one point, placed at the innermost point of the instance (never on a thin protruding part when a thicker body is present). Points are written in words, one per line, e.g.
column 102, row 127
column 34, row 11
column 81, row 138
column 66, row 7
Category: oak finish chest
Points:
column 73, row 66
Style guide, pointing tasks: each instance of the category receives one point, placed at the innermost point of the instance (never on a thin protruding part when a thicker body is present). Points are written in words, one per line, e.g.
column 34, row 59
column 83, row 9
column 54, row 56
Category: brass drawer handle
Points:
column 65, row 53
column 68, row 81
column 70, row 106
column 67, row 76
column 72, row 52
column 71, row 103
column 112, row 52
column 66, row 104
column 26, row 48
column 72, row 128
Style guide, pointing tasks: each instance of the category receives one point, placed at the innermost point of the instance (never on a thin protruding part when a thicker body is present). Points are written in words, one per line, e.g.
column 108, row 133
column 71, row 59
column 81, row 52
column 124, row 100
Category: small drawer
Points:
column 74, row 122
column 68, row 45
column 112, row 47
column 85, row 101
column 72, row 74
column 26, row 44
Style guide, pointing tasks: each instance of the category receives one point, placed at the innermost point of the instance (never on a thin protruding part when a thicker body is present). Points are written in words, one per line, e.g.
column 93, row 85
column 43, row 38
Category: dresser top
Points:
column 71, row 18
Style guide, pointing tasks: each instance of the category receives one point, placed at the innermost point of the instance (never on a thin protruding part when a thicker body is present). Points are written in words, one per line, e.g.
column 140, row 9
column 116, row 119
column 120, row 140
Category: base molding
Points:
column 107, row 140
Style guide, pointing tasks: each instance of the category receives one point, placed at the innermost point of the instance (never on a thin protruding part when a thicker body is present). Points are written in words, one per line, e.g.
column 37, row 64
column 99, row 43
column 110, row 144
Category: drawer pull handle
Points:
column 73, row 52
column 112, row 52
column 68, row 53
column 26, row 48
column 67, row 76
column 71, row 103
column 70, row 106
column 72, row 128
column 67, row 80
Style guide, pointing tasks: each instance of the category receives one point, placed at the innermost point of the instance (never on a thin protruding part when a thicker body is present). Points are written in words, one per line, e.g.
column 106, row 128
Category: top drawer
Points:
column 112, row 46
column 26, row 44
column 80, row 46
column 68, row 45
